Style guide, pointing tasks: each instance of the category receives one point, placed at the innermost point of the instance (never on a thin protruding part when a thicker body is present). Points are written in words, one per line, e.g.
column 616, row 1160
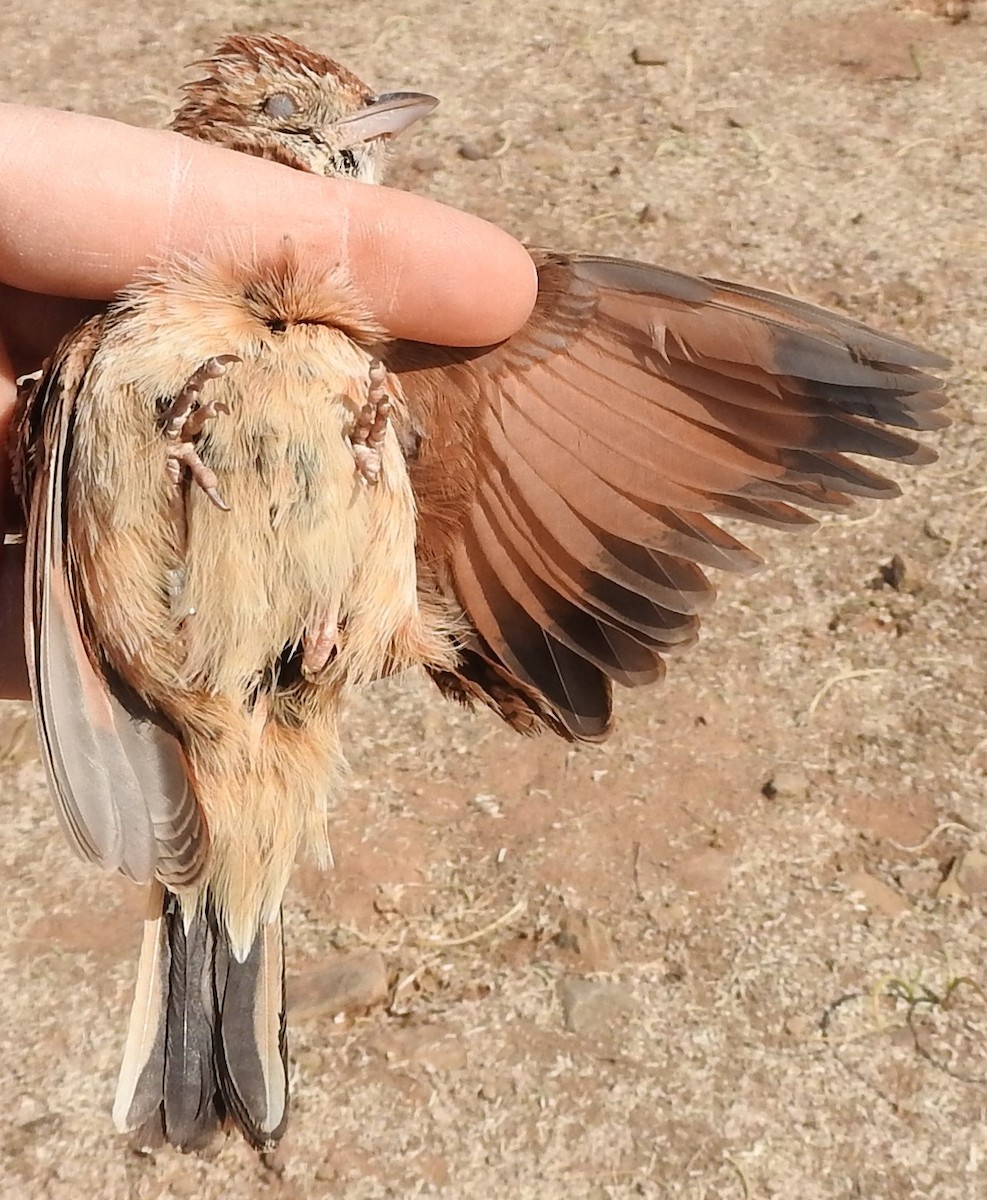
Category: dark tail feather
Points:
column 252, row 1047
column 189, row 1105
column 207, row 1034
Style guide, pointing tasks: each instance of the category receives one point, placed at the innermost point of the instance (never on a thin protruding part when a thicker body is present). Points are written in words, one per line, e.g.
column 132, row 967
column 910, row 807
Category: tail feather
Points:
column 207, row 1033
column 252, row 1053
column 138, row 1097
column 189, row 1106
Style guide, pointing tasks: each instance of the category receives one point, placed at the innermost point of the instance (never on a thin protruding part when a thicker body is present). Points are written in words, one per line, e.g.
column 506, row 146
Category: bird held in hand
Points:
column 244, row 500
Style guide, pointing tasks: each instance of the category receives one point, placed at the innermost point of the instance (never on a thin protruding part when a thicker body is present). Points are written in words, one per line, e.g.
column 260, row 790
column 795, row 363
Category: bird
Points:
column 244, row 500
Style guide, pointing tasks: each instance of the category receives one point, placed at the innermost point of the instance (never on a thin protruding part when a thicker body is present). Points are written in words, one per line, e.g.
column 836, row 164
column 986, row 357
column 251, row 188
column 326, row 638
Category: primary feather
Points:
column 594, row 448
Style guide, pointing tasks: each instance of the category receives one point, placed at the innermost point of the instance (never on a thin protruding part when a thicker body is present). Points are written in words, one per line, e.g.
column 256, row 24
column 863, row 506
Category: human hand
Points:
column 86, row 202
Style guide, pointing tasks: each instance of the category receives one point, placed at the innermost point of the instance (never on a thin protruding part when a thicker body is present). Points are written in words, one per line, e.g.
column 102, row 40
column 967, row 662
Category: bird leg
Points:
column 319, row 643
column 371, row 424
column 186, row 418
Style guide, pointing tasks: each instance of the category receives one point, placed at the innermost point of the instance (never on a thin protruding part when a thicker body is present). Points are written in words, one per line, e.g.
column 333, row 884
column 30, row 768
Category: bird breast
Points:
column 182, row 594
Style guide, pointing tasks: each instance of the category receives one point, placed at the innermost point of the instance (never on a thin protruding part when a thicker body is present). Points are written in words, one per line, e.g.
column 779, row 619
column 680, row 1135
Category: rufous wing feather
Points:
column 569, row 479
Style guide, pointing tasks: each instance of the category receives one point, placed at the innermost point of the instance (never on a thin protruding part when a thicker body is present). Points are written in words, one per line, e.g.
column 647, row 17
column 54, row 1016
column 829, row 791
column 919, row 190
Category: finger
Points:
column 30, row 328
column 13, row 667
column 10, row 509
column 428, row 272
column 32, row 325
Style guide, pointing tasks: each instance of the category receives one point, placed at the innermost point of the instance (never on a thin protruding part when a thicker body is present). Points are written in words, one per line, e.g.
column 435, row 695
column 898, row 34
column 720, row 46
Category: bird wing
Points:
column 567, row 478
column 118, row 777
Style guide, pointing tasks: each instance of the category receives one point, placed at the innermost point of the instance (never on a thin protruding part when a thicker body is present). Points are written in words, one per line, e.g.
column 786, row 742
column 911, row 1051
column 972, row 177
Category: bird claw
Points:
column 319, row 643
column 186, row 418
column 371, row 423
column 205, row 412
column 181, row 411
column 184, row 454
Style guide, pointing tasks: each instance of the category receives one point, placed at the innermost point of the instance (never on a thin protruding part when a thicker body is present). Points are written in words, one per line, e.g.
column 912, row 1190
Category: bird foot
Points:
column 371, row 425
column 184, row 454
column 186, row 418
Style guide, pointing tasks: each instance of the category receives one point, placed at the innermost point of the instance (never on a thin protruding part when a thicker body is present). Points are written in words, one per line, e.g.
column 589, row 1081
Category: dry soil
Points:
column 632, row 970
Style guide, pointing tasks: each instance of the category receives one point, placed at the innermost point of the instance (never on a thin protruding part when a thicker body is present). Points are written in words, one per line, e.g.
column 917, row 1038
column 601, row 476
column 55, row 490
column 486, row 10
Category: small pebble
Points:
column 967, row 877
column 649, row 56
column 473, row 151
column 586, row 937
column 350, row 983
column 904, row 574
column 879, row 896
column 593, row 1008
column 786, row 783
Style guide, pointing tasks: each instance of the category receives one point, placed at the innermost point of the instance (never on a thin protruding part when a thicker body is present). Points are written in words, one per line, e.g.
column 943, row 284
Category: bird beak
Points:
column 385, row 116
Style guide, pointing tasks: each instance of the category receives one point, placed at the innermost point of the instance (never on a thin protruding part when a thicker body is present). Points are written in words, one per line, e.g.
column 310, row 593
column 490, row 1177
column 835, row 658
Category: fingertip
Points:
column 435, row 274
column 512, row 286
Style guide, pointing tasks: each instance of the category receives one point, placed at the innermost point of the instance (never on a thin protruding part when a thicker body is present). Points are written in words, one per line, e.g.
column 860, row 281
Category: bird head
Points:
column 270, row 97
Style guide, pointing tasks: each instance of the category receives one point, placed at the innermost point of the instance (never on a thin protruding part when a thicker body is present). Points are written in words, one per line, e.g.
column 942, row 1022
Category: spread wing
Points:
column 118, row 778
column 568, row 480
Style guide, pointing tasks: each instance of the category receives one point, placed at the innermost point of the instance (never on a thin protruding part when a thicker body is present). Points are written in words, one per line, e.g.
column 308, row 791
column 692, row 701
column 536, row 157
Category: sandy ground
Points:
column 631, row 970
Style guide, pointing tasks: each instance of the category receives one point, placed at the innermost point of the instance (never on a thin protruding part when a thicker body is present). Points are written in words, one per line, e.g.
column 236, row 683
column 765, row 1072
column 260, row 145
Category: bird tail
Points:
column 206, row 1042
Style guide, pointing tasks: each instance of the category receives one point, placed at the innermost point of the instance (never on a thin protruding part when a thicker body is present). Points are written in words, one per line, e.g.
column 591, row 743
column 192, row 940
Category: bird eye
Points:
column 280, row 106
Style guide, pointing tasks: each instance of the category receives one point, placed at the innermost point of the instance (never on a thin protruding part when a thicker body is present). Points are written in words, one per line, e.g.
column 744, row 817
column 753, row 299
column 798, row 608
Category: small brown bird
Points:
column 243, row 500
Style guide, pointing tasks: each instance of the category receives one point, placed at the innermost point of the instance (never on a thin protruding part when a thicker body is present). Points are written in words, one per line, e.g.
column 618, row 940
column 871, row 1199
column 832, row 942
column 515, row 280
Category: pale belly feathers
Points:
column 198, row 609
